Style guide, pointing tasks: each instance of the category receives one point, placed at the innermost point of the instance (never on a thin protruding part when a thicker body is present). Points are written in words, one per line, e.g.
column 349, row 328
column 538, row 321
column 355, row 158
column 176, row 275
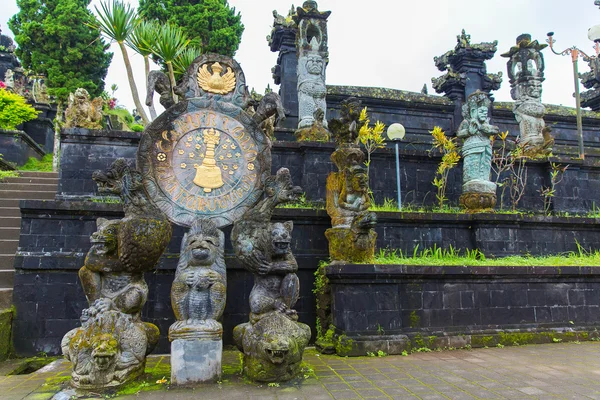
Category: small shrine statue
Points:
column 110, row 347
column 479, row 192
column 351, row 237
column 272, row 341
column 526, row 73
column 83, row 113
column 312, row 51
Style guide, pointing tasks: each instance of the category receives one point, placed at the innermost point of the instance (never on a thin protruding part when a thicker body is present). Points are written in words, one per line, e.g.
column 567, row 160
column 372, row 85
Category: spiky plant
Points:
column 116, row 20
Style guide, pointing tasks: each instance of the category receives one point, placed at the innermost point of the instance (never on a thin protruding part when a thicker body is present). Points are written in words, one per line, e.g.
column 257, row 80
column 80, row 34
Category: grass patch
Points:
column 106, row 199
column 33, row 164
column 452, row 257
column 8, row 174
column 303, row 203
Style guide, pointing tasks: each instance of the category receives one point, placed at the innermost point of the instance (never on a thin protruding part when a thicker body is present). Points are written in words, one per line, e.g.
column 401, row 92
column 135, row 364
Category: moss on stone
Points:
column 387, row 94
column 551, row 109
column 6, row 318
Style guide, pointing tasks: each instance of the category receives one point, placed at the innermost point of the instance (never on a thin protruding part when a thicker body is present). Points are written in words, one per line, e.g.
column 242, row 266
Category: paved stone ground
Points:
column 551, row 371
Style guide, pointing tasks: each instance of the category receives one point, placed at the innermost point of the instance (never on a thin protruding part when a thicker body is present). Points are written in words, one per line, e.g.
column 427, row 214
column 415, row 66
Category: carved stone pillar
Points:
column 466, row 71
column 526, row 73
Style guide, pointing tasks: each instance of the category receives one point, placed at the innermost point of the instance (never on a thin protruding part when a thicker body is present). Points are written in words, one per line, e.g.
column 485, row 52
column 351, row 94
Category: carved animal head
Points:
column 103, row 255
column 281, row 237
column 105, row 350
column 270, row 105
column 363, row 222
column 111, row 180
column 281, row 189
column 276, row 340
column 202, row 245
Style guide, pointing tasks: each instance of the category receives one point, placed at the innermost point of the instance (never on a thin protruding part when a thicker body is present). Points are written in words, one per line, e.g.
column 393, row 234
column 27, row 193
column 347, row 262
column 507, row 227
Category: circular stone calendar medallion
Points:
column 208, row 163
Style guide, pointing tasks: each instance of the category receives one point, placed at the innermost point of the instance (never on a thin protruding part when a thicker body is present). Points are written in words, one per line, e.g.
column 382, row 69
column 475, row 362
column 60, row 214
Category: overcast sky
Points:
column 391, row 43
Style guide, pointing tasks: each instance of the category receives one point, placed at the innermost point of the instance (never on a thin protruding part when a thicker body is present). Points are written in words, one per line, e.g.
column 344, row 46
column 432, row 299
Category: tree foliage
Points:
column 213, row 26
column 14, row 110
column 56, row 39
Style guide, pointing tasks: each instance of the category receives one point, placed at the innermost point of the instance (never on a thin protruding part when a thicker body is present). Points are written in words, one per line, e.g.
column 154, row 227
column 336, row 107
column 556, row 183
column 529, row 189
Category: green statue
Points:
column 479, row 192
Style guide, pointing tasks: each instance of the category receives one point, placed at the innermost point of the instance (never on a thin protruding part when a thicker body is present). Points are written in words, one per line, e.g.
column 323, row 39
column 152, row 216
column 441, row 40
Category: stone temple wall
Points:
column 55, row 234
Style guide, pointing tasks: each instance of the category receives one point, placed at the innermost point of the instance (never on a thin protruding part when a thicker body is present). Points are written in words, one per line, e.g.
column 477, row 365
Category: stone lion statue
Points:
column 83, row 112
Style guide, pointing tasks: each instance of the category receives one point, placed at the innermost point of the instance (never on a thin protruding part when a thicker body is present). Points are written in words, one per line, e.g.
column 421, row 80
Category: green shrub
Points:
column 14, row 110
column 33, row 164
column 137, row 128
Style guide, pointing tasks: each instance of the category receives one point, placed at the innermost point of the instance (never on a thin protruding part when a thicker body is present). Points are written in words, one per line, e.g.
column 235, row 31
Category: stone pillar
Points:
column 313, row 56
column 526, row 73
column 195, row 357
column 591, row 80
column 283, row 40
column 198, row 300
column 466, row 71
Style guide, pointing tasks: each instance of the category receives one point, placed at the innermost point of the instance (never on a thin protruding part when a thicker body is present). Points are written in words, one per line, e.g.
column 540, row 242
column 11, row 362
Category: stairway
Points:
column 28, row 186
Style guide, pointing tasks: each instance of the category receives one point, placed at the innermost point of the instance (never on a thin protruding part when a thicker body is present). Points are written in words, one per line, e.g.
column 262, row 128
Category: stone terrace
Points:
column 557, row 371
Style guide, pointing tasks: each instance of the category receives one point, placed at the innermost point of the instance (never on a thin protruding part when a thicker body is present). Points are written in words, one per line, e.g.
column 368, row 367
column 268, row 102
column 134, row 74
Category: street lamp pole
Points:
column 575, row 53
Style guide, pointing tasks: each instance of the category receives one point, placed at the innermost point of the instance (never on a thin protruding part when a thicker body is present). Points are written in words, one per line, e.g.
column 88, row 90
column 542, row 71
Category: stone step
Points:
column 5, row 298
column 26, row 194
column 10, row 212
column 10, row 222
column 8, row 232
column 29, row 187
column 7, row 261
column 52, row 181
column 31, row 174
column 8, row 246
column 10, row 203
column 7, row 278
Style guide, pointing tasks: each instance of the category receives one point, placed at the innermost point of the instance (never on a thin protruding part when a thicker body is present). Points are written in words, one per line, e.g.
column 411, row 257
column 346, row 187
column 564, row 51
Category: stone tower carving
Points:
column 526, row 73
column 313, row 56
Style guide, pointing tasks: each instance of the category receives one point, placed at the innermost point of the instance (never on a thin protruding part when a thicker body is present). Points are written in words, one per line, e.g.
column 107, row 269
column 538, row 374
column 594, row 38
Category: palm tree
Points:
column 184, row 60
column 143, row 34
column 116, row 21
column 170, row 41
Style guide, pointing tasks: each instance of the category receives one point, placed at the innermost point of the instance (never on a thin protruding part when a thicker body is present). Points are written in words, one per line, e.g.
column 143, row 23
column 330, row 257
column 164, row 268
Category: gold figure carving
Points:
column 208, row 174
column 215, row 82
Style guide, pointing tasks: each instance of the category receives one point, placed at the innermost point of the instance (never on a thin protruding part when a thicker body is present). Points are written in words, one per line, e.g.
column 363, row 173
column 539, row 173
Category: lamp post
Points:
column 575, row 53
column 396, row 132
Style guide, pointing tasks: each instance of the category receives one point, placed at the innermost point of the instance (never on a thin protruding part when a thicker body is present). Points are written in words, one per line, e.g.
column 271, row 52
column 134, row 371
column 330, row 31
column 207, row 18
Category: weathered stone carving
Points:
column 159, row 82
column 466, row 71
column 311, row 38
column 526, row 73
column 269, row 112
column 198, row 300
column 273, row 347
column 83, row 113
column 273, row 341
column 478, row 191
column 9, row 79
column 351, row 237
column 109, row 348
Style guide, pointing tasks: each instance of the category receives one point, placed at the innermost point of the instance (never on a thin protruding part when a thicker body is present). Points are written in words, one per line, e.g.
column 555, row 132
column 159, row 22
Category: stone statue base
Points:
column 315, row 133
column 476, row 202
column 273, row 347
column 196, row 352
column 351, row 246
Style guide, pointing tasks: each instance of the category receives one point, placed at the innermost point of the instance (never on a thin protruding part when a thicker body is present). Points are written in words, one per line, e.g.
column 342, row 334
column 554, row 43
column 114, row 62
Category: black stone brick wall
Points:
column 465, row 300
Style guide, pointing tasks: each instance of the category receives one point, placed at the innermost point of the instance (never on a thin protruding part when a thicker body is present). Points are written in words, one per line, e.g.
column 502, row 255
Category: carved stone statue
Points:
column 159, row 82
column 83, row 113
column 526, row 73
column 312, row 50
column 351, row 237
column 110, row 347
column 269, row 112
column 475, row 129
column 9, row 79
column 198, row 300
column 273, row 341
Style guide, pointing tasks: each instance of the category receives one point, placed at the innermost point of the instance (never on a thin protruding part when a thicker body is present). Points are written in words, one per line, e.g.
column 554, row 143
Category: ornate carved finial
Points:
column 215, row 82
